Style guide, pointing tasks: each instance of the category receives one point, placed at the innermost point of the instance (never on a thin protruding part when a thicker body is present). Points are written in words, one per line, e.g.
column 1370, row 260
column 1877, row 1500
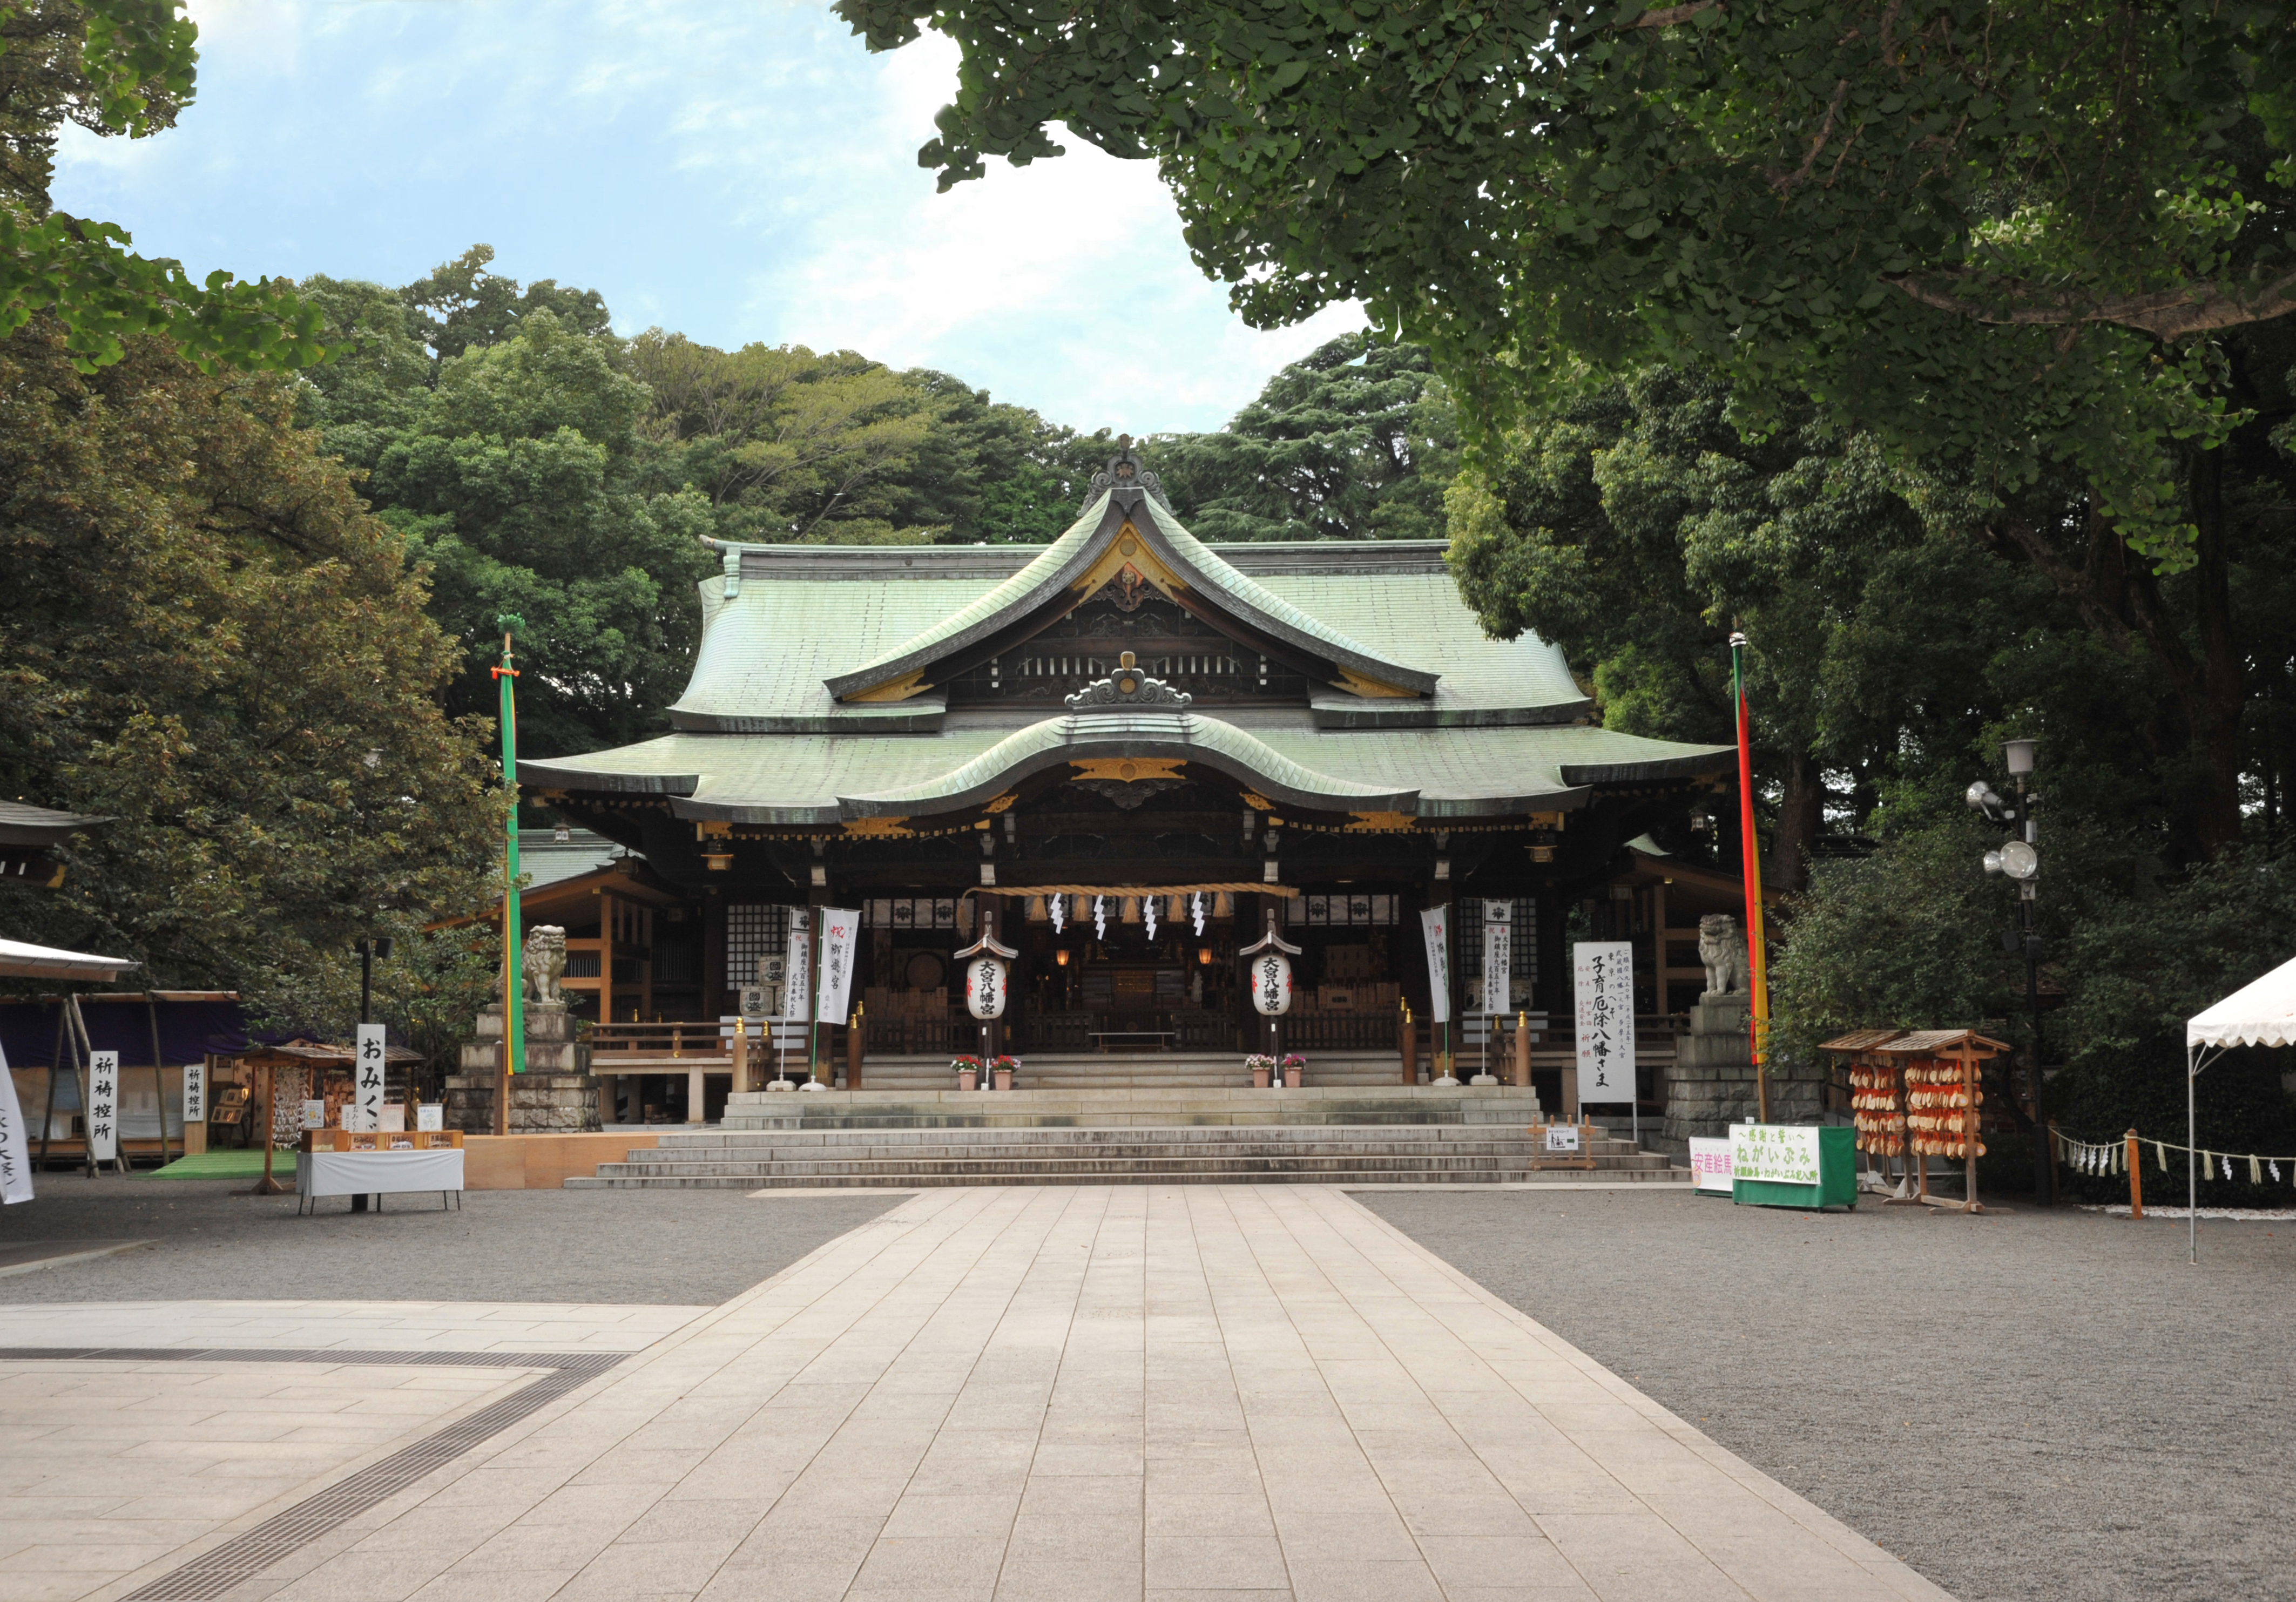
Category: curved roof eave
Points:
column 567, row 774
column 1151, row 736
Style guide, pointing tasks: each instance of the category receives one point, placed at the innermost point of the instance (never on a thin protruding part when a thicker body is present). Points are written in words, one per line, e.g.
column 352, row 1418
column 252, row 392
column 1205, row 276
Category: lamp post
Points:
column 2019, row 860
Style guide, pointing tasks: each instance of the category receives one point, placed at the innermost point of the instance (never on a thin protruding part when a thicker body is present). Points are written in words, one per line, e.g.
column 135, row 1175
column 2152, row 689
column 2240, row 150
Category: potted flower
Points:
column 968, row 1072
column 1294, row 1065
column 1263, row 1068
column 1004, row 1068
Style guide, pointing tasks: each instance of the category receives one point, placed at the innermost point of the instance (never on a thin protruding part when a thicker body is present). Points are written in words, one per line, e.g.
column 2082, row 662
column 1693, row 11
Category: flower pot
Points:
column 1259, row 1079
column 967, row 1079
column 1003, row 1079
column 1291, row 1078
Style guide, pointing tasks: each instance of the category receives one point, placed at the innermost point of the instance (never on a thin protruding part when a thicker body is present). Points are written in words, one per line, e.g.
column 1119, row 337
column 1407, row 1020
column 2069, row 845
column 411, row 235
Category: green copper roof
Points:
column 805, row 613
column 1045, row 581
column 812, row 779
column 1133, row 732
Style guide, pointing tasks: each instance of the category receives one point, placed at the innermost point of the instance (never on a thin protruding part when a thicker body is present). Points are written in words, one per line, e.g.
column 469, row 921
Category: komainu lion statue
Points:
column 1723, row 949
column 544, row 963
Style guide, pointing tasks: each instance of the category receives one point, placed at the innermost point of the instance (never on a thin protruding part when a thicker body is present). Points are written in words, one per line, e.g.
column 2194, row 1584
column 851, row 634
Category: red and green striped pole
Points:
column 1750, row 867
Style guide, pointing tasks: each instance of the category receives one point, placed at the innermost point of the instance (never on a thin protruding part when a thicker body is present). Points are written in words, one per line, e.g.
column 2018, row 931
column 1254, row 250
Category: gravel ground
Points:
column 2028, row 1405
column 688, row 1246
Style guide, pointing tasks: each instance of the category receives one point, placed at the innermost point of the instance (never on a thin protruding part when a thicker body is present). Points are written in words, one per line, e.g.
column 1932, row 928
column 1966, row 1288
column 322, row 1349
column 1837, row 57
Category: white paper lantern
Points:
column 1271, row 984
column 984, row 987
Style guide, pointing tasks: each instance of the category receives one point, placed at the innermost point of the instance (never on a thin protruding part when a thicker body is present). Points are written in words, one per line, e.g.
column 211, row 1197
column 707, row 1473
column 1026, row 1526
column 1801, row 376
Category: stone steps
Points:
column 1119, row 1108
column 1044, row 1155
column 1173, row 1070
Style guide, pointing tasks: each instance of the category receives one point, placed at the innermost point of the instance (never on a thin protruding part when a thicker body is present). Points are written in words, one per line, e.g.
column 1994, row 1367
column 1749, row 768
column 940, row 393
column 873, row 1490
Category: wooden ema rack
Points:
column 1931, row 1083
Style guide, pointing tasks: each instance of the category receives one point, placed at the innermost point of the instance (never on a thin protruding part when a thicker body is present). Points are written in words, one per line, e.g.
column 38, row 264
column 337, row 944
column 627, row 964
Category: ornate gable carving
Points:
column 1127, row 687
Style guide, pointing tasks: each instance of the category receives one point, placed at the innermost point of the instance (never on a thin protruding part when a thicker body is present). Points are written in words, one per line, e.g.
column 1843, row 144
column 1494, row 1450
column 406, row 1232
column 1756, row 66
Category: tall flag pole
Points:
column 1750, row 867
column 514, row 1055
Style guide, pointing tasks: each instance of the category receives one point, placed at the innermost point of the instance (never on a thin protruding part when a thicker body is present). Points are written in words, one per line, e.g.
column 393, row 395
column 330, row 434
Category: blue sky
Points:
column 736, row 169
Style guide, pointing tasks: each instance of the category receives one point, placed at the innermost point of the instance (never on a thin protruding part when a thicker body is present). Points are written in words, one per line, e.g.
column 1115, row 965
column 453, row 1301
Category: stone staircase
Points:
column 1137, row 1070
column 1167, row 1137
column 1128, row 1107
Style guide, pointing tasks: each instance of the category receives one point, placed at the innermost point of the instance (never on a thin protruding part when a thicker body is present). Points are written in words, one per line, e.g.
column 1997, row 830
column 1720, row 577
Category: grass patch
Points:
column 226, row 1165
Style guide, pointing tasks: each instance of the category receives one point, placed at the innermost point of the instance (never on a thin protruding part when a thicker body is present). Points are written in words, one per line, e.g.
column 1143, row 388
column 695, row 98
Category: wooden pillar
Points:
column 712, row 914
column 1407, row 1041
column 1661, row 976
column 697, row 1096
column 1522, row 1050
column 855, row 1046
column 645, row 962
column 606, row 933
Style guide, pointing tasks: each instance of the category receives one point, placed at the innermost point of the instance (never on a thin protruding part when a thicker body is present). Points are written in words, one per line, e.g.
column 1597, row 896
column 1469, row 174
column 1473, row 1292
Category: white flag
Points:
column 799, row 996
column 1498, row 954
column 1434, row 923
column 1604, row 972
column 104, row 1105
column 15, row 1142
column 840, row 931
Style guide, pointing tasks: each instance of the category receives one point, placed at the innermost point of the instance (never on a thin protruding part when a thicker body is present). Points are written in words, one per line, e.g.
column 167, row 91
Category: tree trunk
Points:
column 1799, row 820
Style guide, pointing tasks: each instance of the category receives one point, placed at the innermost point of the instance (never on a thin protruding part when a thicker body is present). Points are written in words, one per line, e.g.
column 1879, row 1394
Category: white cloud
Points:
column 736, row 170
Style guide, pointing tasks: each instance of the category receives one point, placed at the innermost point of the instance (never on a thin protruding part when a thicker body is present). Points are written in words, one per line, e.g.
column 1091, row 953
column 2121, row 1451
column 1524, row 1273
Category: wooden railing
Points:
column 694, row 1037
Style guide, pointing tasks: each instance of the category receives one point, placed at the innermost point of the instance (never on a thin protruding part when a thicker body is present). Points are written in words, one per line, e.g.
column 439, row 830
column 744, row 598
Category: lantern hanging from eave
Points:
column 1269, row 972
column 985, row 972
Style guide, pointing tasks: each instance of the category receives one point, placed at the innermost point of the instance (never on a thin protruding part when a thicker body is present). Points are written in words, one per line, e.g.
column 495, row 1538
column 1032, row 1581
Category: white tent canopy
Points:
column 21, row 960
column 2260, row 1014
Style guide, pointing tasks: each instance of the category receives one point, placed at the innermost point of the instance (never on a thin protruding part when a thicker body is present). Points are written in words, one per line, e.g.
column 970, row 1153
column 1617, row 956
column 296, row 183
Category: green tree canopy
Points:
column 1356, row 441
column 115, row 67
column 1994, row 230
column 205, row 636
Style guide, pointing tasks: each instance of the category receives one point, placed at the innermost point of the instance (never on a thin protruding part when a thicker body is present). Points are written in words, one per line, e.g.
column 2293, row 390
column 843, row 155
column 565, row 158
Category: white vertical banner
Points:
column 1604, row 972
column 840, row 932
column 367, row 1069
column 104, row 1105
column 195, row 1093
column 1498, row 955
column 797, row 995
column 15, row 1142
column 1434, row 923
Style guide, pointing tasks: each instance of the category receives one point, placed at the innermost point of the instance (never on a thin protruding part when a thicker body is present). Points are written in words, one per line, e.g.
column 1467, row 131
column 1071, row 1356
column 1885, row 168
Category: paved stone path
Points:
column 1251, row 1394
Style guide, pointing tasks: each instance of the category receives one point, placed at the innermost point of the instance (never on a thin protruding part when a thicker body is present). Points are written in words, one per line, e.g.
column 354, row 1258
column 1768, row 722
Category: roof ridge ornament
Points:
column 1127, row 687
column 1125, row 470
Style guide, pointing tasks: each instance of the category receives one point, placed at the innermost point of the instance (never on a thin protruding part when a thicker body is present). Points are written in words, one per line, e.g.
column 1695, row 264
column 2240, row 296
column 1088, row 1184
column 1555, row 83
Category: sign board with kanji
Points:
column 366, row 1079
column 104, row 1105
column 1793, row 1165
column 1604, row 972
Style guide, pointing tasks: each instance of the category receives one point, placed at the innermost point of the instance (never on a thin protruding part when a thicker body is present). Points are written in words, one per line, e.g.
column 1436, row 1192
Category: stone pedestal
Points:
column 1711, row 1084
column 556, row 1094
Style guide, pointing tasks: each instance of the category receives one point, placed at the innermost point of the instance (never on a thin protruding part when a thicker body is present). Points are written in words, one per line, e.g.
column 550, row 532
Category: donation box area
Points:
column 1793, row 1165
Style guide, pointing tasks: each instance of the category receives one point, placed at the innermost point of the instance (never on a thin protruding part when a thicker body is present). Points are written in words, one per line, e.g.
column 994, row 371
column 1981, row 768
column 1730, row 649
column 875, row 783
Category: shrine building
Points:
column 1131, row 747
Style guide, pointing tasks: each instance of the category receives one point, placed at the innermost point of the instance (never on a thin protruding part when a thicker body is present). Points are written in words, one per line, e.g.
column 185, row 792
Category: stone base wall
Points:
column 556, row 1094
column 1712, row 1085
